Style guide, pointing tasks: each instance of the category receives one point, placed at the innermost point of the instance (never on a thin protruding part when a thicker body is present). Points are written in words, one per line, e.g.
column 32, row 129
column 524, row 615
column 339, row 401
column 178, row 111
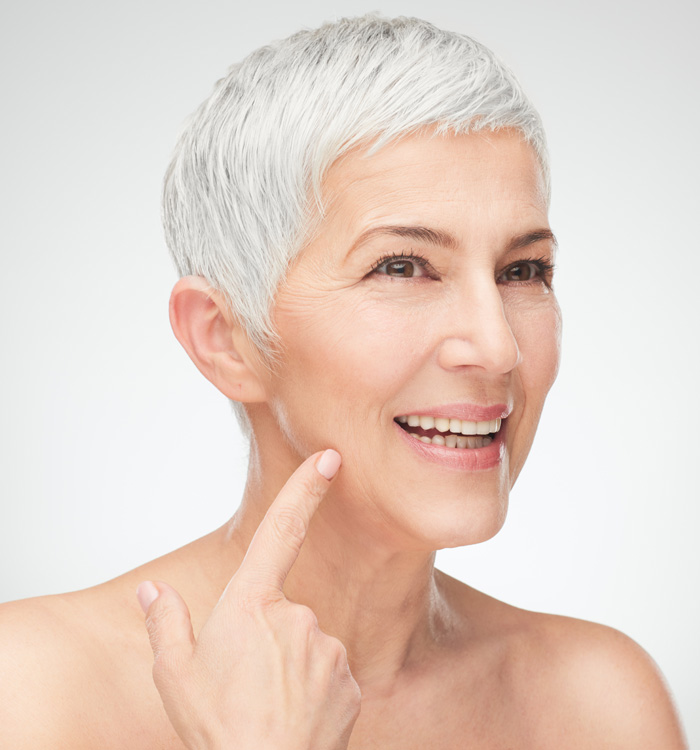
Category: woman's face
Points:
column 426, row 293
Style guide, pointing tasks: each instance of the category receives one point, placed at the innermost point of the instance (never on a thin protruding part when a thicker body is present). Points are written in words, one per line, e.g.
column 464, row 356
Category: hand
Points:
column 261, row 675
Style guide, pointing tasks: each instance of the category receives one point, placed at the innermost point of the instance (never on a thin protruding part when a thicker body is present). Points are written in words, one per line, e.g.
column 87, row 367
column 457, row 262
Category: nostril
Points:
column 495, row 353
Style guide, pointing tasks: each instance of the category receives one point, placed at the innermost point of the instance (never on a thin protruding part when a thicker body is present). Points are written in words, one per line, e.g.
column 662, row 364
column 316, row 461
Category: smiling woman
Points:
column 359, row 214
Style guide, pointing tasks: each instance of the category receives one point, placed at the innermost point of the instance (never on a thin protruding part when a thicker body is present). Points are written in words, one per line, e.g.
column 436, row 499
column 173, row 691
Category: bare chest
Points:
column 442, row 717
column 461, row 703
column 454, row 712
column 450, row 727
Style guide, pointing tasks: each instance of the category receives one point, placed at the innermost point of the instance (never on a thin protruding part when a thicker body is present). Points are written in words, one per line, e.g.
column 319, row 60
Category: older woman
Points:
column 359, row 217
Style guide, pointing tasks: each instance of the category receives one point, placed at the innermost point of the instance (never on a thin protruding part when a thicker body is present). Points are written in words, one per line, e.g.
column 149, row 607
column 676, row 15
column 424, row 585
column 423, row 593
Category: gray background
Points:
column 115, row 450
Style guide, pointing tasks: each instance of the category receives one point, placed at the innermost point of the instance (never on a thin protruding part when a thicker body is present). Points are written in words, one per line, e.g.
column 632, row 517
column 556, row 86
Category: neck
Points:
column 368, row 588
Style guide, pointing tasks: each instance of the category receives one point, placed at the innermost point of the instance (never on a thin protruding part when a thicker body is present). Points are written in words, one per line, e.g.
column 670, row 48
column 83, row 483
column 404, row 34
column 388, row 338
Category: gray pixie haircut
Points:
column 242, row 194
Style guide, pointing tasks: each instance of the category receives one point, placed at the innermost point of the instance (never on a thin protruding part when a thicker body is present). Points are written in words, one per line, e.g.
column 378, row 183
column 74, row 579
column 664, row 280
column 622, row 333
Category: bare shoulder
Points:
column 599, row 681
column 42, row 665
column 68, row 664
column 75, row 668
column 576, row 684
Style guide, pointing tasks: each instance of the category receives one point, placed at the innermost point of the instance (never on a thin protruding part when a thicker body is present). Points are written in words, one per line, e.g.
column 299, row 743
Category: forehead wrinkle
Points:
column 437, row 237
column 356, row 180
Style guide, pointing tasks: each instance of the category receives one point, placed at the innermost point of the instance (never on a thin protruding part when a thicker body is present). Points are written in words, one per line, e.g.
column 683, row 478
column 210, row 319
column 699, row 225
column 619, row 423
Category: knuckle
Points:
column 168, row 667
column 305, row 619
column 156, row 622
column 340, row 653
column 253, row 599
column 312, row 487
column 335, row 652
column 161, row 621
column 289, row 527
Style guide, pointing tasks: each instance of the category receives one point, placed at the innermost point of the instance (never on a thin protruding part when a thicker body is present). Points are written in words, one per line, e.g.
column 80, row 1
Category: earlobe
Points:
column 214, row 341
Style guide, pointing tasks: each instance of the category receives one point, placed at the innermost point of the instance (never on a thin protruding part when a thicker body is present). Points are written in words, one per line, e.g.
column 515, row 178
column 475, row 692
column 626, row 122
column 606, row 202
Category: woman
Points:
column 359, row 217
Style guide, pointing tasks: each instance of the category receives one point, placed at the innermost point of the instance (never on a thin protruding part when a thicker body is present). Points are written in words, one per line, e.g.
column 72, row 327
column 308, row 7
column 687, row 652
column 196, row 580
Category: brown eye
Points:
column 400, row 268
column 520, row 272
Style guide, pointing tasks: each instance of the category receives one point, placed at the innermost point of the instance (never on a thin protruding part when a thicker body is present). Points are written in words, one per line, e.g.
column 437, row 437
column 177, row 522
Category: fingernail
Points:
column 146, row 593
column 329, row 463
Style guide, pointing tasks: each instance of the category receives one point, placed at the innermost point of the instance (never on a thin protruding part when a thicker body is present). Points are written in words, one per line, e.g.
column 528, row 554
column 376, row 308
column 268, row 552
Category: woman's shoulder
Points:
column 576, row 683
column 75, row 627
column 600, row 681
column 40, row 632
column 69, row 665
column 43, row 663
column 75, row 668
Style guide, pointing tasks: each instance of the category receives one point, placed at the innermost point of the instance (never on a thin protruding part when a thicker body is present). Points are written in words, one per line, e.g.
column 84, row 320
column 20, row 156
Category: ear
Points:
column 218, row 346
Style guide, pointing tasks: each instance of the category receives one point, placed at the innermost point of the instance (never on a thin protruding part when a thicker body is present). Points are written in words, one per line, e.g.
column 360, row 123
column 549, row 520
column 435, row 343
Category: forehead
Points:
column 435, row 177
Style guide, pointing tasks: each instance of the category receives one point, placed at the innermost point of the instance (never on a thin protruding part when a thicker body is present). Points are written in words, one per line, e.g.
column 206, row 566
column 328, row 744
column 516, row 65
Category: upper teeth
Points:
column 456, row 426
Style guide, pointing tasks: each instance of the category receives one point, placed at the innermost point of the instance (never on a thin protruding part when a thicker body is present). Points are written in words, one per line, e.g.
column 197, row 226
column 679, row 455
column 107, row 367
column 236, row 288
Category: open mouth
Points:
column 450, row 433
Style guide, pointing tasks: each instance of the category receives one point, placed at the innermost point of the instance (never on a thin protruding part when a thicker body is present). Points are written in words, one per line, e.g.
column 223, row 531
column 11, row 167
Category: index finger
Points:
column 278, row 540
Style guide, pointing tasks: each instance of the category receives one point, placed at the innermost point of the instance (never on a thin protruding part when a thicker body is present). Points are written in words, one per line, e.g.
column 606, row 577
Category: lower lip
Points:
column 462, row 459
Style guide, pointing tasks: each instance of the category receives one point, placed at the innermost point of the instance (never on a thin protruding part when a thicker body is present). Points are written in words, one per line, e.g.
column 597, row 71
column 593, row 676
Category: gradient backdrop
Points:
column 115, row 450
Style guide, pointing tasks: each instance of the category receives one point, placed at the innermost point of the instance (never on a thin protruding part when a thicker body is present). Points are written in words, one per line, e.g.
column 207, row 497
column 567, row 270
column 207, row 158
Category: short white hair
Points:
column 242, row 194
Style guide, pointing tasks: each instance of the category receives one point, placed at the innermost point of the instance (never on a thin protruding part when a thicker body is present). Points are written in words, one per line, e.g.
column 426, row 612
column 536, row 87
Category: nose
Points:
column 479, row 334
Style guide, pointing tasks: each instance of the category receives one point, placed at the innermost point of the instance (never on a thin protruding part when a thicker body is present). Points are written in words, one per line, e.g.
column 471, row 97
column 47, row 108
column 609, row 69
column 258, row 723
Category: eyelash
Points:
column 419, row 259
column 544, row 267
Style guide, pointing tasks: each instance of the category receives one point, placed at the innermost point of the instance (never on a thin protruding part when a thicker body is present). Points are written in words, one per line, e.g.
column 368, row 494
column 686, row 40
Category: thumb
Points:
column 167, row 620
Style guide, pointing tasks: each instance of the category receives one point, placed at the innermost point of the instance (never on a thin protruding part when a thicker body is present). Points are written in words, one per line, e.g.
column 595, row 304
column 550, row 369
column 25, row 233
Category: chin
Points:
column 469, row 511
column 481, row 522
column 438, row 522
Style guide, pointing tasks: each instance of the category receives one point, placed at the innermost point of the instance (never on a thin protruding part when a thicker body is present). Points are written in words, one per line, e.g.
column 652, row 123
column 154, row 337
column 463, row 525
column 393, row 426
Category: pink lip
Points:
column 462, row 459
column 467, row 412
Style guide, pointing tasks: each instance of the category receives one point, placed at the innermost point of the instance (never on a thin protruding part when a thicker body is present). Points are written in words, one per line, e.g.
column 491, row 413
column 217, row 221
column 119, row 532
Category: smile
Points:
column 450, row 432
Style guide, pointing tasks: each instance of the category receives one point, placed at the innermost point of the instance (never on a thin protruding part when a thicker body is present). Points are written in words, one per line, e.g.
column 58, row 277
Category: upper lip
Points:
column 466, row 412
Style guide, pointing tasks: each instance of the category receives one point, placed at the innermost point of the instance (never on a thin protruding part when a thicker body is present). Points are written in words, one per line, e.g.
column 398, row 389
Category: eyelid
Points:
column 413, row 257
column 544, row 266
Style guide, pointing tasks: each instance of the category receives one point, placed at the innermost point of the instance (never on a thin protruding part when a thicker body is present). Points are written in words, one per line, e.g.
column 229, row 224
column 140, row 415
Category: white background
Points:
column 114, row 450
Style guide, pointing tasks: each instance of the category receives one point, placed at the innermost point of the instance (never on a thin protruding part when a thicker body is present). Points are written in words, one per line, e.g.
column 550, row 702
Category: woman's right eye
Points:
column 401, row 267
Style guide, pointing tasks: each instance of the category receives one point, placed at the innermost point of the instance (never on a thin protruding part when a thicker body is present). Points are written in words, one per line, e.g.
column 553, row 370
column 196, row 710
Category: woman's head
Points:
column 426, row 297
column 420, row 312
column 243, row 194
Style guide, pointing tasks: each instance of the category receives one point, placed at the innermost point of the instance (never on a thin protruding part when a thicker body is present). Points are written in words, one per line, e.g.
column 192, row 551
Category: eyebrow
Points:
column 441, row 238
column 529, row 238
column 422, row 234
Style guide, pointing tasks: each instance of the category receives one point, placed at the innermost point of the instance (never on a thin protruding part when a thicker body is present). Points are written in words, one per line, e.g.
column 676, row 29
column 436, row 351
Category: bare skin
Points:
column 438, row 664
column 79, row 674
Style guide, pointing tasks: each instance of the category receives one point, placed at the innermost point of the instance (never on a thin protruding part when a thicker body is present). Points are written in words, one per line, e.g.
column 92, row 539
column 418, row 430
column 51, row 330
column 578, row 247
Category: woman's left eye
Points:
column 527, row 270
column 402, row 267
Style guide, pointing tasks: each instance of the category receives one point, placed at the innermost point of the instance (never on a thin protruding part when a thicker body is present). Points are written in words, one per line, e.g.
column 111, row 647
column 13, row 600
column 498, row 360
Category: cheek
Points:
column 537, row 329
column 536, row 325
column 343, row 364
column 364, row 346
